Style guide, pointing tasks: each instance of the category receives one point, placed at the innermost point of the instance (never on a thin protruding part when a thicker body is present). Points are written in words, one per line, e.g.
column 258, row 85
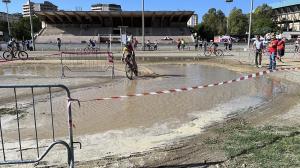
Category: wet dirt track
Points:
column 158, row 115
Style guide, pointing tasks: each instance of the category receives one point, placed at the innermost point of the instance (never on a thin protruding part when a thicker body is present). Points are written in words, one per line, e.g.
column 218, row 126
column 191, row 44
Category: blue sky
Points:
column 199, row 6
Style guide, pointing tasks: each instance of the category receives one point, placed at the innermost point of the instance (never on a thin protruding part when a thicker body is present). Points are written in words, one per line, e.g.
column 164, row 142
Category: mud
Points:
column 165, row 130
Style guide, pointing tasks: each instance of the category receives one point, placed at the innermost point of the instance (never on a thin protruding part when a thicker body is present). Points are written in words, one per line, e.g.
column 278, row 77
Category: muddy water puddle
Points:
column 173, row 109
column 27, row 70
column 176, row 108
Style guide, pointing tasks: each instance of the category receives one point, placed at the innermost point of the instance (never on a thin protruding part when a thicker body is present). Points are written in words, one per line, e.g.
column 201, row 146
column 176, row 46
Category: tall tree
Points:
column 238, row 22
column 263, row 20
column 204, row 32
column 214, row 22
column 21, row 29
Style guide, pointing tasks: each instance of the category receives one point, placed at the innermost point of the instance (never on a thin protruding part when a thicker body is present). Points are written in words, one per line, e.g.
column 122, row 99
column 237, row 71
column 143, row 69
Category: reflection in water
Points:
column 30, row 70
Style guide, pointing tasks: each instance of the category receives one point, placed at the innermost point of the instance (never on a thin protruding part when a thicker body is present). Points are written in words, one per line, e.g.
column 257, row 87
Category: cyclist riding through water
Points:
column 128, row 52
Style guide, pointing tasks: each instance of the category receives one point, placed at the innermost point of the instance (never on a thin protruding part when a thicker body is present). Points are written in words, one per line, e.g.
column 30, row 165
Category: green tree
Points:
column 238, row 22
column 204, row 32
column 21, row 29
column 263, row 20
column 3, row 26
column 213, row 23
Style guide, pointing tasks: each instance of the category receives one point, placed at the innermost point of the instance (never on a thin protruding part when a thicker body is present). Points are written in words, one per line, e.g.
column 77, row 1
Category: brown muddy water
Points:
column 138, row 123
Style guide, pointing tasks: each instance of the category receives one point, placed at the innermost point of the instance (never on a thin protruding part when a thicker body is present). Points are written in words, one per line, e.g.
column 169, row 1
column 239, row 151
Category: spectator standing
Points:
column 281, row 48
column 148, row 44
column 196, row 44
column 296, row 45
column 226, row 44
column 230, row 41
column 182, row 44
column 24, row 45
column 178, row 44
column 258, row 46
column 27, row 44
column 107, row 44
column 205, row 45
column 155, row 45
column 273, row 53
column 58, row 43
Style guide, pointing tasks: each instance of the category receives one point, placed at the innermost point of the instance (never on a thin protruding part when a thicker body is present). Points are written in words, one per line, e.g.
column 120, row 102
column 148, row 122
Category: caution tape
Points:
column 246, row 77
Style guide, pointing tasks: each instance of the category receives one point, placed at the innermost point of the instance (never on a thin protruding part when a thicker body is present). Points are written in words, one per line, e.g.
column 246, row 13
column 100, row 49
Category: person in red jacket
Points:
column 281, row 48
column 273, row 53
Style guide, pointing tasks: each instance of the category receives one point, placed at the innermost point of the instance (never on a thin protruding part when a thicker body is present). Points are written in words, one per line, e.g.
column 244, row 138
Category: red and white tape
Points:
column 246, row 77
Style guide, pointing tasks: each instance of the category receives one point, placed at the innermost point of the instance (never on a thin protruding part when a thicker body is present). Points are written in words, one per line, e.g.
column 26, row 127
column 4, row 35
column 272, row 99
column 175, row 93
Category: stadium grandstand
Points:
column 78, row 26
column 288, row 17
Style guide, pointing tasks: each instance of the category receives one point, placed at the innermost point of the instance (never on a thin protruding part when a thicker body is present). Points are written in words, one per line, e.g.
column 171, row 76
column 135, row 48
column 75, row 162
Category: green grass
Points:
column 261, row 147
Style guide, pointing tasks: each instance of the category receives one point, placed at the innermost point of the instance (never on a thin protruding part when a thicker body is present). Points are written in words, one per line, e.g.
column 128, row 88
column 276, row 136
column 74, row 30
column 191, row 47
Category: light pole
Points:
column 31, row 26
column 8, row 25
column 250, row 25
column 143, row 25
column 227, row 24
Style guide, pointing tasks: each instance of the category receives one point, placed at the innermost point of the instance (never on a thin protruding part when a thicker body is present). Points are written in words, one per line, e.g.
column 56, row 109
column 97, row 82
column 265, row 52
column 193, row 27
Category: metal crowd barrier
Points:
column 87, row 61
column 31, row 97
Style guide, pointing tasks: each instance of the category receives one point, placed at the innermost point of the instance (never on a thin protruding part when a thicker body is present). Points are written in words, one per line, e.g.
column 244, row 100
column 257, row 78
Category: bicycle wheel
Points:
column 219, row 52
column 23, row 55
column 207, row 53
column 7, row 56
column 129, row 71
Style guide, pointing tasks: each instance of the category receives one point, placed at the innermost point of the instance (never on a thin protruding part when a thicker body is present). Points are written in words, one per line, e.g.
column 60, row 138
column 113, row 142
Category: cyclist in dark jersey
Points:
column 128, row 51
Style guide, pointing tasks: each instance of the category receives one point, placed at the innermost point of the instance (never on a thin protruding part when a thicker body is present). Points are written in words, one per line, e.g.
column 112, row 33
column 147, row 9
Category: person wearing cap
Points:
column 273, row 53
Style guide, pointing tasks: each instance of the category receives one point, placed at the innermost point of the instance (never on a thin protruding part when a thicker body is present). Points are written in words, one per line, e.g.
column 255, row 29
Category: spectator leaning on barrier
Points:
column 281, row 47
column 273, row 53
column 258, row 46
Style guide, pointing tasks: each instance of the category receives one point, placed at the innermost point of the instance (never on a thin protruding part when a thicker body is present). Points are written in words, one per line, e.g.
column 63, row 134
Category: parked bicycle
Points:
column 11, row 52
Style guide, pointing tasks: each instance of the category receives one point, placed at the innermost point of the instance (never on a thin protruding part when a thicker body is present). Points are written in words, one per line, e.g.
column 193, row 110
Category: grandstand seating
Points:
column 77, row 34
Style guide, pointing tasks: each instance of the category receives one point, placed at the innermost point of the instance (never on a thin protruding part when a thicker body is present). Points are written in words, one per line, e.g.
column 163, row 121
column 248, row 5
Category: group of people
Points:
column 149, row 45
column 181, row 44
column 228, row 43
column 26, row 44
column 275, row 50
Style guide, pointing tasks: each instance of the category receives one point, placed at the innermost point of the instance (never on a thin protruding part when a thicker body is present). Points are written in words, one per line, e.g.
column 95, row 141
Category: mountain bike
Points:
column 210, row 51
column 130, row 68
column 11, row 53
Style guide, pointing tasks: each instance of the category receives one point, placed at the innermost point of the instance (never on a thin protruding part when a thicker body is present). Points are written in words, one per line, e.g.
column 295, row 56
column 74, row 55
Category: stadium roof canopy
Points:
column 122, row 17
column 285, row 3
